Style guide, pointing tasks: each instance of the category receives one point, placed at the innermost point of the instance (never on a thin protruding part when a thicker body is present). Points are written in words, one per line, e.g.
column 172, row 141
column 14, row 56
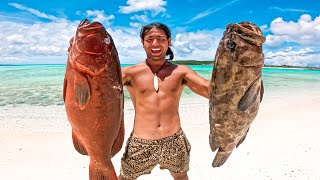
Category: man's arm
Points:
column 125, row 76
column 196, row 83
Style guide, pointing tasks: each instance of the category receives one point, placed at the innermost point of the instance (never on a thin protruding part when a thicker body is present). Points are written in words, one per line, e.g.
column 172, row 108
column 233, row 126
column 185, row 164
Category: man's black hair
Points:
column 161, row 26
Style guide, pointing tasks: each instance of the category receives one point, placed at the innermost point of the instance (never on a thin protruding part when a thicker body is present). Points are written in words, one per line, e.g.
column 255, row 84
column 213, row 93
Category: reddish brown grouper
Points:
column 93, row 98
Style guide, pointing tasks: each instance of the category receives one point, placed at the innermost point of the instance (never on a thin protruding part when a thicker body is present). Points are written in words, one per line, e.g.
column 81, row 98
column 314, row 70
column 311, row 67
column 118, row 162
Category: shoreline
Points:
column 197, row 63
column 280, row 144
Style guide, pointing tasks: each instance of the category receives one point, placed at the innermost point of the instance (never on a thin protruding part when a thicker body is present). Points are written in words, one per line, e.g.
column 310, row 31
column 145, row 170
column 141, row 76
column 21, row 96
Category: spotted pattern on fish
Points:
column 236, row 88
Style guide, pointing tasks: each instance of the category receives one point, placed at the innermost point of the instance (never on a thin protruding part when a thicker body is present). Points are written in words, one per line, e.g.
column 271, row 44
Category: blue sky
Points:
column 39, row 31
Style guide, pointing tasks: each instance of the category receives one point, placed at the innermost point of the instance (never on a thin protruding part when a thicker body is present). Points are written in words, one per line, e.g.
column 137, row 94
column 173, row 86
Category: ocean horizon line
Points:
column 127, row 64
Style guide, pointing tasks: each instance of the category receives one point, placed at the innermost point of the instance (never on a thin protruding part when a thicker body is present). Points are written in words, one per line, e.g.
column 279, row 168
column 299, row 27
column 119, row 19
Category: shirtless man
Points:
column 157, row 137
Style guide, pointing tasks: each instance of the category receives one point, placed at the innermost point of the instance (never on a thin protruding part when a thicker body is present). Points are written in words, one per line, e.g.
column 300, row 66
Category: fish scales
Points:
column 93, row 97
column 236, row 88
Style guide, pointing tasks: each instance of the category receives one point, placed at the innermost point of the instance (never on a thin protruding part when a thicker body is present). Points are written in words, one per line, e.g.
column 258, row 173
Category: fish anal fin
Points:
column 78, row 145
column 82, row 90
column 261, row 91
column 214, row 143
column 119, row 140
column 102, row 171
column 249, row 97
column 242, row 138
column 220, row 158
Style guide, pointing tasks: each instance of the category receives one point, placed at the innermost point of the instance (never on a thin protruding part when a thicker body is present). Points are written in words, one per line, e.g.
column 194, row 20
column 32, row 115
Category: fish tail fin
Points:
column 119, row 141
column 220, row 158
column 105, row 173
column 78, row 145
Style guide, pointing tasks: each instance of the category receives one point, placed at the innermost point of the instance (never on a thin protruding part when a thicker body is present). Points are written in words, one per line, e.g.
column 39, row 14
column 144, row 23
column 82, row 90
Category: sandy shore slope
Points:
column 282, row 143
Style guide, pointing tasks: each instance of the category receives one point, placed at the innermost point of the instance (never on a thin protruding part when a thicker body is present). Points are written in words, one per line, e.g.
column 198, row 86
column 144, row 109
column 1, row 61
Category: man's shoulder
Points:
column 183, row 68
column 134, row 68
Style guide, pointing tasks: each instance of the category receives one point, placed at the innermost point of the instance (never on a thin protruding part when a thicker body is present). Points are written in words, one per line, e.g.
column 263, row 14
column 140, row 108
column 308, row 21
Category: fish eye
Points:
column 107, row 40
column 231, row 44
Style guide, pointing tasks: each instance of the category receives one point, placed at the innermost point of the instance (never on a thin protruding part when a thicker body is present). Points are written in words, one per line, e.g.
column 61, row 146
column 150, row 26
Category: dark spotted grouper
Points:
column 93, row 98
column 237, row 88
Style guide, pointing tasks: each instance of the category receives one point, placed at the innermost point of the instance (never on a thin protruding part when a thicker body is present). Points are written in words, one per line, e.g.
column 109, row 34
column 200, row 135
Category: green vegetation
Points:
column 287, row 66
column 192, row 62
column 196, row 62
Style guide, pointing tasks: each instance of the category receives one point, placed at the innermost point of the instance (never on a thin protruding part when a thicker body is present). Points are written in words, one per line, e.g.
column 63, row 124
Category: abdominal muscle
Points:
column 156, row 118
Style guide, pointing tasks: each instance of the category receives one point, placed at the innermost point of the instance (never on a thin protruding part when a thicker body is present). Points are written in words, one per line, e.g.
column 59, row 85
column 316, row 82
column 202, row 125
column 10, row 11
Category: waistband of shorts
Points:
column 157, row 141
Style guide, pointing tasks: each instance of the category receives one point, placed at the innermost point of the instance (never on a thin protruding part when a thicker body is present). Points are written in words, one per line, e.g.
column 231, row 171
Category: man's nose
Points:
column 155, row 41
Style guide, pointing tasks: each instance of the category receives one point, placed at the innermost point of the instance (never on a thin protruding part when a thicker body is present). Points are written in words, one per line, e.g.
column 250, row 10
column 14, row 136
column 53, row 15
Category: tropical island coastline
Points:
column 206, row 62
column 190, row 62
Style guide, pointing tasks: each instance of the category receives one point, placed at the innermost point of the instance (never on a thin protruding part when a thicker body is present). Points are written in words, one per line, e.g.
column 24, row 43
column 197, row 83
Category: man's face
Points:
column 156, row 44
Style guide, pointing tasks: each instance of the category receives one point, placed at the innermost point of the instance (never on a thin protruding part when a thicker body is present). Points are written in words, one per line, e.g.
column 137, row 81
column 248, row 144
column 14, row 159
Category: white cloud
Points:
column 35, row 12
column 128, row 44
column 199, row 45
column 135, row 24
column 288, row 56
column 42, row 42
column 24, row 41
column 294, row 42
column 30, row 43
column 264, row 28
column 156, row 6
column 140, row 18
column 288, row 9
column 27, row 43
column 203, row 14
column 210, row 11
column 305, row 31
column 100, row 17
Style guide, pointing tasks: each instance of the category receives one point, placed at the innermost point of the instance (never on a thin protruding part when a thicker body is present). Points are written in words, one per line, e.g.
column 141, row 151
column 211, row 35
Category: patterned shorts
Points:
column 141, row 155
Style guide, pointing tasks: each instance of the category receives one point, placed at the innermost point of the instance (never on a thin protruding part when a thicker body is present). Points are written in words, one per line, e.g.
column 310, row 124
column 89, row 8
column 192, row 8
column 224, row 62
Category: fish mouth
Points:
column 91, row 38
column 86, row 27
column 248, row 32
column 84, row 22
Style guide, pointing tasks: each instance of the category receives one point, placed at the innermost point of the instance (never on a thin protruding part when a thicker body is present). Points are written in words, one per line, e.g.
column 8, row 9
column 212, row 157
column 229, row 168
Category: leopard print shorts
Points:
column 141, row 155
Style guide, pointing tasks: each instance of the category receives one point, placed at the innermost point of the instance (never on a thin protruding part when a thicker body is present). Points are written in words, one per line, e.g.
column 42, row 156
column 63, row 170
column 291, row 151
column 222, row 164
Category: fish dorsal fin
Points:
column 64, row 88
column 81, row 89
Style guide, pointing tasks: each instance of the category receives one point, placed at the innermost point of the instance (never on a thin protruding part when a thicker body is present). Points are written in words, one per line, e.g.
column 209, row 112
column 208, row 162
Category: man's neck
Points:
column 156, row 63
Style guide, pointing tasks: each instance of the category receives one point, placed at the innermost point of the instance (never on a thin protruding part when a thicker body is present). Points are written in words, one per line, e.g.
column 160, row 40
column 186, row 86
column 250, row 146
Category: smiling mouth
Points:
column 155, row 50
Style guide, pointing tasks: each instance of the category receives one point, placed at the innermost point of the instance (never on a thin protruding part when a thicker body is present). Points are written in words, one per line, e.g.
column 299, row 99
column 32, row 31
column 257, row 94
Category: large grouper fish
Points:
column 236, row 88
column 93, row 97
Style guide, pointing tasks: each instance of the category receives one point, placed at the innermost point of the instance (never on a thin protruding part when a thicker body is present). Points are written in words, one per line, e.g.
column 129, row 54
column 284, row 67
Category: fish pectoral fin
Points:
column 82, row 90
column 242, row 138
column 261, row 91
column 64, row 88
column 249, row 97
column 78, row 145
column 221, row 157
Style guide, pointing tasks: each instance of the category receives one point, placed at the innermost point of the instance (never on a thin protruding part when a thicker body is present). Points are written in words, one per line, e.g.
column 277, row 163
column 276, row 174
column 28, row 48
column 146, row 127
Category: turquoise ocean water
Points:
column 41, row 85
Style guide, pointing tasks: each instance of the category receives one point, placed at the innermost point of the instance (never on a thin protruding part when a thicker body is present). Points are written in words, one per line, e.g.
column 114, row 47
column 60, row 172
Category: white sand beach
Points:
column 282, row 142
